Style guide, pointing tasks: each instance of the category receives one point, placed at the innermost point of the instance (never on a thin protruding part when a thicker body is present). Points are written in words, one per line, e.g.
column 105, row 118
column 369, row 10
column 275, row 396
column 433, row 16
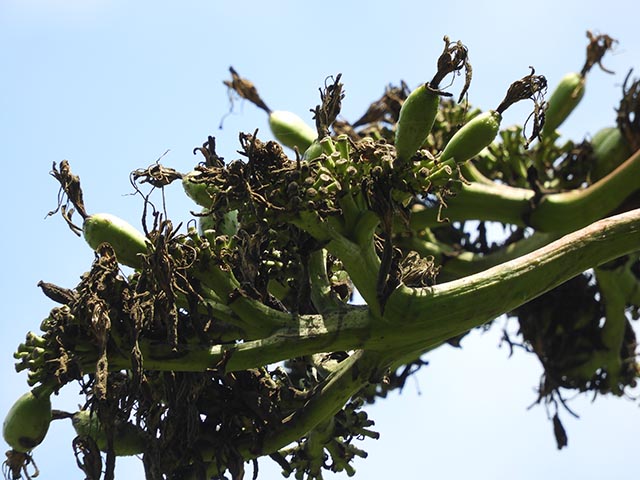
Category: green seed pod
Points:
column 417, row 115
column 610, row 149
column 127, row 439
column 126, row 240
column 563, row 101
column 472, row 137
column 290, row 130
column 27, row 422
column 197, row 191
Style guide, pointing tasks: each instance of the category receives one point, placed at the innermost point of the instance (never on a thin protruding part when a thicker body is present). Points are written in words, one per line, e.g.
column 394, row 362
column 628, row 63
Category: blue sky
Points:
column 112, row 85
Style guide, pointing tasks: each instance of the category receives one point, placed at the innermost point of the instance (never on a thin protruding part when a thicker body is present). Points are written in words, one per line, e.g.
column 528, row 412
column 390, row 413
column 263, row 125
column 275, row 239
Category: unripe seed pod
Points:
column 127, row 438
column 417, row 115
column 291, row 130
column 610, row 149
column 127, row 242
column 472, row 137
column 563, row 101
column 197, row 191
column 27, row 422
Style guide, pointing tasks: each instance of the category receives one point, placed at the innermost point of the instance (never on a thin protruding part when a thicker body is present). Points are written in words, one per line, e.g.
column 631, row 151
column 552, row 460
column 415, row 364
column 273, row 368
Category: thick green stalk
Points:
column 456, row 264
column 420, row 318
column 478, row 201
column 338, row 331
column 563, row 212
column 416, row 318
column 612, row 288
column 433, row 314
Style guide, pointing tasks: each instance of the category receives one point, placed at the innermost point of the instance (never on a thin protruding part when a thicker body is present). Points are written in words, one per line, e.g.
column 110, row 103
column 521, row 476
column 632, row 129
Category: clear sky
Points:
column 112, row 85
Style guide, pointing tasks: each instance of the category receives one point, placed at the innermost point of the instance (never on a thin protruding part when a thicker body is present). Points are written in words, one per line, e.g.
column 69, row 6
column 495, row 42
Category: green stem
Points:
column 558, row 212
column 616, row 288
column 614, row 328
column 357, row 254
column 478, row 201
column 315, row 226
column 563, row 212
column 350, row 211
column 338, row 331
column 360, row 259
column 322, row 295
column 455, row 264
column 471, row 173
column 317, row 437
column 432, row 315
